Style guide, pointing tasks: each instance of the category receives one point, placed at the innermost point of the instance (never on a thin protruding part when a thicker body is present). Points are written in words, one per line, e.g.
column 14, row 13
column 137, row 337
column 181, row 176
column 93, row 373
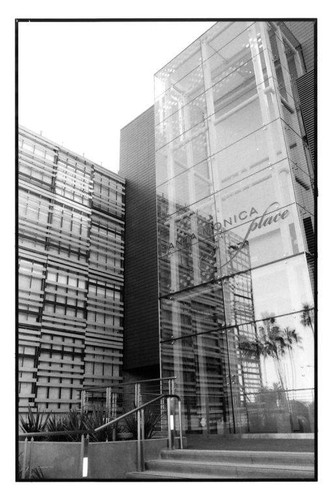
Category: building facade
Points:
column 213, row 280
column 71, row 275
column 234, row 164
column 236, row 181
column 137, row 166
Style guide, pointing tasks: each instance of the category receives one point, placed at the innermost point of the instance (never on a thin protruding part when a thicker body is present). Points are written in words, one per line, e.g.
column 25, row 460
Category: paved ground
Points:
column 215, row 442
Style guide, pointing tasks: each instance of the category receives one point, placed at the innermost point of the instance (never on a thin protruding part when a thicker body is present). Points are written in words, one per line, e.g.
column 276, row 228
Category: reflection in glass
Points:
column 235, row 233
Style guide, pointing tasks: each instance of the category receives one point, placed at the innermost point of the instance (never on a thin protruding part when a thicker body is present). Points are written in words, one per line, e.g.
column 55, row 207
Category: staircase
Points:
column 228, row 464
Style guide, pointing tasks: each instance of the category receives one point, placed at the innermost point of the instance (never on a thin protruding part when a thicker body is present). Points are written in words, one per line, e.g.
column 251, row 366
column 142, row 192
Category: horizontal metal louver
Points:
column 306, row 86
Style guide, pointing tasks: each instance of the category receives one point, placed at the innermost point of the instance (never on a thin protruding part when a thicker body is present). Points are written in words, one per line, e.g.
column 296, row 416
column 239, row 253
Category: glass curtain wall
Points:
column 235, row 215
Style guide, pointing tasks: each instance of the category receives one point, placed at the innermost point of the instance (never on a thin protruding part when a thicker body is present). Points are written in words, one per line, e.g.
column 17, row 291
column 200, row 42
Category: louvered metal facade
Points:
column 304, row 32
column 70, row 302
column 306, row 86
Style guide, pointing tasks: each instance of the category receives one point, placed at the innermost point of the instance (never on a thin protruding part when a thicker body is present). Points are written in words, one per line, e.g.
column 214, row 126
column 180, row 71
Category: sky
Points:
column 81, row 82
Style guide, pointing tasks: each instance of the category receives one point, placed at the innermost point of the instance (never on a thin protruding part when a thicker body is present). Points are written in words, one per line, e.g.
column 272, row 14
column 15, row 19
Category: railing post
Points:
column 108, row 403
column 207, row 416
column 180, row 417
column 24, row 461
column 171, row 386
column 84, row 456
column 108, row 406
column 142, row 438
column 139, row 441
column 83, row 400
column 171, row 424
column 137, row 395
column 81, row 454
column 114, row 413
column 30, row 453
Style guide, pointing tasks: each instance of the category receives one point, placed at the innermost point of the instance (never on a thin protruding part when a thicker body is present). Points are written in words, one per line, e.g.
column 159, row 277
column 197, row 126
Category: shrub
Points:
column 75, row 421
column 35, row 473
column 94, row 420
column 56, row 424
column 152, row 421
column 35, row 421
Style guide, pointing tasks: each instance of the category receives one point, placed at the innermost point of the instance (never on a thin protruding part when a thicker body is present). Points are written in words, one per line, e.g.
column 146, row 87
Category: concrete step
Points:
column 178, row 476
column 240, row 456
column 169, row 476
column 191, row 468
column 227, row 475
column 228, row 464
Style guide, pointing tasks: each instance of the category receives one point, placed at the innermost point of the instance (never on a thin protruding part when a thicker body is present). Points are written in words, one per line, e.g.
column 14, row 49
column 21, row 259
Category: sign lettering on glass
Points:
column 267, row 218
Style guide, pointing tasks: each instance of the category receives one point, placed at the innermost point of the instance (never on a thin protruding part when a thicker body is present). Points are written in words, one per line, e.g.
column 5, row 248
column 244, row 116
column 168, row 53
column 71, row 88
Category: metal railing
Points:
column 140, row 432
column 118, row 398
column 140, row 424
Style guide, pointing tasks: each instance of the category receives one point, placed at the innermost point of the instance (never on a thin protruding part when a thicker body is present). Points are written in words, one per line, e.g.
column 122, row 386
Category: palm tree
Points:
column 306, row 317
column 291, row 338
column 271, row 342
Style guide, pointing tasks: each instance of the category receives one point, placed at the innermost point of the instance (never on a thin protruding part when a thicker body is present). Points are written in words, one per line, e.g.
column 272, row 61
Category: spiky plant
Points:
column 35, row 421
column 152, row 422
column 76, row 421
column 56, row 424
column 35, row 473
column 96, row 419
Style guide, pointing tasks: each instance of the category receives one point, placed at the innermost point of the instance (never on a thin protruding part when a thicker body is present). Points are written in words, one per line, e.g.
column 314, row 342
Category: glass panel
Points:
column 239, row 78
column 234, row 202
column 203, row 382
column 231, row 165
column 244, row 292
column 303, row 187
column 246, row 379
column 183, row 246
column 296, row 149
column 188, row 186
column 226, row 38
column 185, row 71
column 192, row 311
column 281, row 287
column 236, row 115
column 265, row 219
column 177, row 107
column 289, row 364
column 184, row 152
column 164, row 136
column 183, row 120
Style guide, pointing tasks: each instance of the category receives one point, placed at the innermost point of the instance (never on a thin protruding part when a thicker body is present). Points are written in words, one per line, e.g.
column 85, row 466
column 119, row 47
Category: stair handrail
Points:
column 123, row 384
column 135, row 410
column 140, row 411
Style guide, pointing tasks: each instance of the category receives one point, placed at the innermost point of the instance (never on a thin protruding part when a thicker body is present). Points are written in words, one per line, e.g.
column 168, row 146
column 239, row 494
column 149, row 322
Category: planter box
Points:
column 110, row 460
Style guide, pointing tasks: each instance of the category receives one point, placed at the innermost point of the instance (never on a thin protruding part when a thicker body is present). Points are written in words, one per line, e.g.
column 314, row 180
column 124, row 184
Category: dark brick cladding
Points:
column 137, row 166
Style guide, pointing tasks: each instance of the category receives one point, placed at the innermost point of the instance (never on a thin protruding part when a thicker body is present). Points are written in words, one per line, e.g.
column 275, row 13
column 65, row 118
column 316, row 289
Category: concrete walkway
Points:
column 216, row 442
